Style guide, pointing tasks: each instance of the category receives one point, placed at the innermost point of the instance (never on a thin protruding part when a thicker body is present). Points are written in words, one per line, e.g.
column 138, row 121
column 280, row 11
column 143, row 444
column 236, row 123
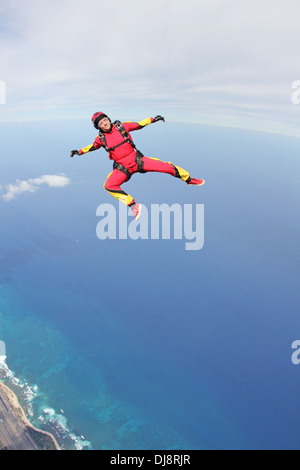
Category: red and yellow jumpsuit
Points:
column 125, row 154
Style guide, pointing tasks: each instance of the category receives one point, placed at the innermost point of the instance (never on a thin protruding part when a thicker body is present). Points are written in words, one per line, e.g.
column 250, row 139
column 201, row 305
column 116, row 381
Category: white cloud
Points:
column 33, row 184
column 53, row 181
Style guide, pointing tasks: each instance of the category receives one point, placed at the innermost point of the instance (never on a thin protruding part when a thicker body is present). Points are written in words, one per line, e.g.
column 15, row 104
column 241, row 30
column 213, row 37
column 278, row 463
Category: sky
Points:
column 226, row 62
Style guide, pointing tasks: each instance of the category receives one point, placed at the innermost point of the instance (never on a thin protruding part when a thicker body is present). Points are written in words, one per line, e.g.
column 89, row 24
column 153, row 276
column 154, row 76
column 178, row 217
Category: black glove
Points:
column 74, row 152
column 158, row 118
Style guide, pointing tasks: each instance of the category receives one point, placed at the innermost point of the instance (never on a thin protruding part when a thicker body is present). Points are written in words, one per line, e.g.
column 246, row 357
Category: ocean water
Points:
column 141, row 344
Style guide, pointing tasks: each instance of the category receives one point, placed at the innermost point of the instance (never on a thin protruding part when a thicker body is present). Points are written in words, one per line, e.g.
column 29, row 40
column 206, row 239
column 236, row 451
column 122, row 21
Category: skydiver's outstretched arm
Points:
column 90, row 148
column 135, row 126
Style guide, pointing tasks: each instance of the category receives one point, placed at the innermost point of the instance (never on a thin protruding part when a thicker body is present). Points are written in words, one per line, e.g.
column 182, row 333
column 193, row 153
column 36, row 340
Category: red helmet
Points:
column 96, row 118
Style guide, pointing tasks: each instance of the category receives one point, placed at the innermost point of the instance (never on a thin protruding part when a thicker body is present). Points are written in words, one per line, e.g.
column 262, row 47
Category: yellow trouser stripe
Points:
column 123, row 197
column 107, row 179
column 184, row 175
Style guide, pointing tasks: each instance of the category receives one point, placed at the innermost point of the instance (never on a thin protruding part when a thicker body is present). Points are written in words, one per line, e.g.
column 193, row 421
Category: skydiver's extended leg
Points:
column 154, row 164
column 113, row 186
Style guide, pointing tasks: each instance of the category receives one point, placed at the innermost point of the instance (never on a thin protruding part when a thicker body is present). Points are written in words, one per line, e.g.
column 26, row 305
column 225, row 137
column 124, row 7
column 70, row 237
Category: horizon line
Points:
column 285, row 132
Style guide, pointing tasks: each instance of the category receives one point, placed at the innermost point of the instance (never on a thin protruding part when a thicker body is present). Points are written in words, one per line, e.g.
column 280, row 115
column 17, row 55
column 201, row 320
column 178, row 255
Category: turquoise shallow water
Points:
column 141, row 344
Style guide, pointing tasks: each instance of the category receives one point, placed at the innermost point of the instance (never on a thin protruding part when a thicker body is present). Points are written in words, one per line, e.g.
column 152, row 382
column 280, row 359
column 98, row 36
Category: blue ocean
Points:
column 142, row 344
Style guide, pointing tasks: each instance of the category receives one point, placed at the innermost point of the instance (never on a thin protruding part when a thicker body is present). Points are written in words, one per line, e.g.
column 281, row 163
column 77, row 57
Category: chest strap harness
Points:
column 125, row 135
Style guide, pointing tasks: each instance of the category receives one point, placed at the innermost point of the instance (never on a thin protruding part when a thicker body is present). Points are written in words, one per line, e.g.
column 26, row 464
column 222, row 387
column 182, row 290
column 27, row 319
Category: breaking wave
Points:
column 39, row 414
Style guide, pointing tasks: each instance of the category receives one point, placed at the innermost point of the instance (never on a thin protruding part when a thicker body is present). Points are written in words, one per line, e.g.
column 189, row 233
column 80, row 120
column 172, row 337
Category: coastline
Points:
column 30, row 403
column 15, row 415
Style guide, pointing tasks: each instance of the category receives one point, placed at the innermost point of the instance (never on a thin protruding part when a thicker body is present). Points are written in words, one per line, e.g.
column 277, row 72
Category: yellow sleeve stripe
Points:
column 145, row 122
column 87, row 149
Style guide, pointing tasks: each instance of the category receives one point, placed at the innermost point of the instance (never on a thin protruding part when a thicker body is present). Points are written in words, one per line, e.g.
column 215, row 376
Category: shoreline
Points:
column 41, row 440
